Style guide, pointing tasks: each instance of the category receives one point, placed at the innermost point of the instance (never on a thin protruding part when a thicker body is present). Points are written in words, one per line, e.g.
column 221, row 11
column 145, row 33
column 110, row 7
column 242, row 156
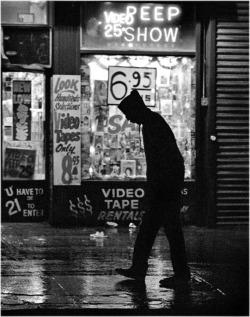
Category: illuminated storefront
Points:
column 112, row 145
column 124, row 46
column 116, row 143
column 70, row 155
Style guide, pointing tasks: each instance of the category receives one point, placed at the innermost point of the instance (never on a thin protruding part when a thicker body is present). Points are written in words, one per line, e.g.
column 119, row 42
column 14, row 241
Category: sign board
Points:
column 66, row 97
column 95, row 203
column 144, row 26
column 21, row 110
column 25, row 201
column 19, row 163
column 122, row 80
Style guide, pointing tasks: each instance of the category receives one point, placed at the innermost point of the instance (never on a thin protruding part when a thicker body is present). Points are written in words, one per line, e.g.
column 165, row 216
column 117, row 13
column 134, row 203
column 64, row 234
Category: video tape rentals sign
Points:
column 122, row 80
column 66, row 125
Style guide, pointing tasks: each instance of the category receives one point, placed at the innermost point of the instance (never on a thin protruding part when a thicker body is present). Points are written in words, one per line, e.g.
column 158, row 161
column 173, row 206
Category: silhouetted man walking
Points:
column 165, row 176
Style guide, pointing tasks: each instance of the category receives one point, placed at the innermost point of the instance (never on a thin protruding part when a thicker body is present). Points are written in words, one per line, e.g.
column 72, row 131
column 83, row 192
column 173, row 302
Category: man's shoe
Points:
column 175, row 282
column 131, row 273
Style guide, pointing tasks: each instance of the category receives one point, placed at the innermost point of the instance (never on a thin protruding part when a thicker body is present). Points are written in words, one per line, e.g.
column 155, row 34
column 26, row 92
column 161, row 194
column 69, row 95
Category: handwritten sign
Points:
column 21, row 110
column 67, row 129
column 122, row 80
column 25, row 201
column 19, row 163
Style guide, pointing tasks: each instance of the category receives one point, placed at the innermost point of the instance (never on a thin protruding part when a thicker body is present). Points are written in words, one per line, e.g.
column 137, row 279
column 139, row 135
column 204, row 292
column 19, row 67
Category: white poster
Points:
column 122, row 80
column 66, row 97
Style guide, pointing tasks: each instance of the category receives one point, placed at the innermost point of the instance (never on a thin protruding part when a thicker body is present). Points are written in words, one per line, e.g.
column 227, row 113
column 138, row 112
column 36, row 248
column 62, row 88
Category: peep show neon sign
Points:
column 124, row 24
column 139, row 26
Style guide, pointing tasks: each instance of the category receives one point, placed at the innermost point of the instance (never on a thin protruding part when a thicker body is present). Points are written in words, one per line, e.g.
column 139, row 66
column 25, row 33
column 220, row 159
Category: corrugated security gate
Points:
column 232, row 117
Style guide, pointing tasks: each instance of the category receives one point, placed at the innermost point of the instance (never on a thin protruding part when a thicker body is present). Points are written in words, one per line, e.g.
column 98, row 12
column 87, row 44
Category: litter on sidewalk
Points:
column 98, row 235
column 132, row 225
column 111, row 224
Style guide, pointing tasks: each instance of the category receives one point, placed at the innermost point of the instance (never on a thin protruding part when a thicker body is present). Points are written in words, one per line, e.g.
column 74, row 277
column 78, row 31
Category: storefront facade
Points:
column 92, row 164
column 26, row 61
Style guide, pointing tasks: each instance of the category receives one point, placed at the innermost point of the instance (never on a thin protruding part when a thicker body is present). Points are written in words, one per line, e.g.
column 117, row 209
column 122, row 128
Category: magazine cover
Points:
column 166, row 107
column 85, row 81
column 115, row 171
column 23, row 166
column 85, row 107
column 107, row 140
column 128, row 168
column 98, row 140
column 166, row 101
column 100, row 92
column 114, row 142
column 101, row 118
column 97, row 160
column 113, row 156
column 106, row 156
column 85, row 123
column 163, row 77
column 84, row 72
column 85, row 171
column 141, row 167
column 85, row 140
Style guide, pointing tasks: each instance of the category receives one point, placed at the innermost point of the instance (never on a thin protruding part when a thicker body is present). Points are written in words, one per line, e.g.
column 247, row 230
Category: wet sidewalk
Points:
column 64, row 271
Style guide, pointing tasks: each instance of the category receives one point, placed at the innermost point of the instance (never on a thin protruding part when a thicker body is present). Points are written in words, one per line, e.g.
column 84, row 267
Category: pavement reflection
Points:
column 137, row 290
column 65, row 269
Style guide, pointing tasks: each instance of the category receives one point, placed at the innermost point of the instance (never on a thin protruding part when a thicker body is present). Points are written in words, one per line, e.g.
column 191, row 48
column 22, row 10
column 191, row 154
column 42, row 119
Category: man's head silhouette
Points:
column 133, row 107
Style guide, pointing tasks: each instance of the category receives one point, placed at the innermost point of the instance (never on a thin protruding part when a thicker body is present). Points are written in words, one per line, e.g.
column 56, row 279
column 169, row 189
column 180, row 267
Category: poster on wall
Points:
column 21, row 110
column 128, row 168
column 66, row 97
column 122, row 80
column 19, row 163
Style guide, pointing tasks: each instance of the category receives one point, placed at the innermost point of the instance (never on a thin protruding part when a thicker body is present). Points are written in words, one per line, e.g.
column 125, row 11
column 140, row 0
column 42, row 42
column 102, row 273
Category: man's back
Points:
column 162, row 154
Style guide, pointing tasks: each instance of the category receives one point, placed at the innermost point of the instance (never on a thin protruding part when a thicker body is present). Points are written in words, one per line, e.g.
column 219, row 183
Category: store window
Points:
column 23, row 116
column 112, row 147
column 24, row 12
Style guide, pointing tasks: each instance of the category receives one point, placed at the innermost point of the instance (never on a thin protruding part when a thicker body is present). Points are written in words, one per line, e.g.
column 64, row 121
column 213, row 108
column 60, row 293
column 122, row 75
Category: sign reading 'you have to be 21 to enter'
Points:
column 138, row 26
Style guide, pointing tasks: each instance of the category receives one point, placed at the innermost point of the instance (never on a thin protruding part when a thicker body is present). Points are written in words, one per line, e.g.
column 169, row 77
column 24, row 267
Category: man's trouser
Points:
column 164, row 214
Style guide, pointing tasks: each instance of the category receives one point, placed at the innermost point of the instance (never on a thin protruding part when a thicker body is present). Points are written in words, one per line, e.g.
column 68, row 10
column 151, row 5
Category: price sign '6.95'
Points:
column 122, row 80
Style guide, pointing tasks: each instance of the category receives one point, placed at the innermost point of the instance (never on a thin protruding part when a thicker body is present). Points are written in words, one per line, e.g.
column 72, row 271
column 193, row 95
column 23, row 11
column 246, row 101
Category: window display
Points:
column 23, row 115
column 111, row 146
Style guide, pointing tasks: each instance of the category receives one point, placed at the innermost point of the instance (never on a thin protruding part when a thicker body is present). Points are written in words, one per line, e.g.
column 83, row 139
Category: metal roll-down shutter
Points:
column 232, row 118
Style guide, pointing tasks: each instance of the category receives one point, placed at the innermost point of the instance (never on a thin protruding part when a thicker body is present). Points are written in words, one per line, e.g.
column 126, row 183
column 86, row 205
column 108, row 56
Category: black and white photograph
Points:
column 124, row 158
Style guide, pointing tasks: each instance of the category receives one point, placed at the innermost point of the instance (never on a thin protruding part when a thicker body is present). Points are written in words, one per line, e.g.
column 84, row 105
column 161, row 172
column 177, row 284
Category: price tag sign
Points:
column 122, row 80
column 66, row 96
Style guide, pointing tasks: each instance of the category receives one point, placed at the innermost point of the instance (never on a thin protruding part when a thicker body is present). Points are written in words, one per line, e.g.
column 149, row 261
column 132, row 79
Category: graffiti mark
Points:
column 80, row 209
column 9, row 191
column 12, row 205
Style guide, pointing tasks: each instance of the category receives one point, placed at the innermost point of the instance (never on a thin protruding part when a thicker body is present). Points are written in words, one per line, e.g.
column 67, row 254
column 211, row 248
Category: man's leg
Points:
column 174, row 233
column 144, row 241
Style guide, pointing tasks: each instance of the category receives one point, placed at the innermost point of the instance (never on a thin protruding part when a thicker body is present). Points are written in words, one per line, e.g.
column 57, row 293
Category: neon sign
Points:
column 122, row 24
column 146, row 13
column 139, row 26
